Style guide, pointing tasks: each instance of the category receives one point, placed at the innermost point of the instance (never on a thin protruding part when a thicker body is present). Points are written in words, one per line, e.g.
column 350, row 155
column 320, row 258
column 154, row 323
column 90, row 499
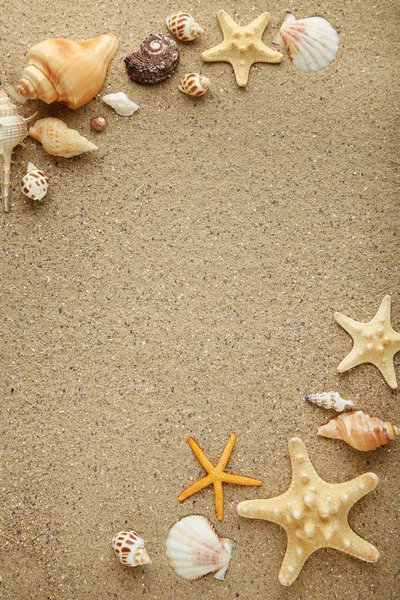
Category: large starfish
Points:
column 375, row 342
column 242, row 46
column 216, row 475
column 313, row 514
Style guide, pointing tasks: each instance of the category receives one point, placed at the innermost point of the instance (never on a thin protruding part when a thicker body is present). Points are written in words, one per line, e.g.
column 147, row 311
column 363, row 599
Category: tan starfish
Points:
column 375, row 342
column 313, row 514
column 242, row 46
column 216, row 475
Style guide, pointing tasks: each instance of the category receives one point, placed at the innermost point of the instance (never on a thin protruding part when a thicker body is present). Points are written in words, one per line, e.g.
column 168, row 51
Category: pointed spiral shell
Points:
column 58, row 139
column 156, row 60
column 183, row 26
column 359, row 430
column 330, row 400
column 194, row 84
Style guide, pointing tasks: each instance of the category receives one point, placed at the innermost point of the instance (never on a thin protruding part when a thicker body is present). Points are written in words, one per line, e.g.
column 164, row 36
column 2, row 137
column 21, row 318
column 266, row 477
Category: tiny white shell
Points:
column 121, row 104
column 129, row 548
column 194, row 84
column 194, row 549
column 330, row 400
column 183, row 26
column 312, row 43
column 34, row 183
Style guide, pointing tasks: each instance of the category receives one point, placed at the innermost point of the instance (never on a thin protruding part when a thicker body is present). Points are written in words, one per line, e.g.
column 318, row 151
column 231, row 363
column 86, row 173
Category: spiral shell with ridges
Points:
column 359, row 430
column 58, row 140
column 183, row 26
column 34, row 183
column 129, row 549
column 156, row 60
column 330, row 400
column 194, row 84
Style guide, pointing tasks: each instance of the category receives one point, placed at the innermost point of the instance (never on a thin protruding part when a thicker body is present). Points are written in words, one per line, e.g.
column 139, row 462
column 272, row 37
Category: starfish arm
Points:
column 265, row 509
column 242, row 72
column 350, row 492
column 348, row 324
column 353, row 359
column 238, row 479
column 217, row 54
column 383, row 313
column 386, row 367
column 227, row 24
column 295, row 557
column 351, row 543
column 301, row 463
column 196, row 487
column 258, row 25
column 264, row 54
column 201, row 457
column 219, row 500
column 223, row 459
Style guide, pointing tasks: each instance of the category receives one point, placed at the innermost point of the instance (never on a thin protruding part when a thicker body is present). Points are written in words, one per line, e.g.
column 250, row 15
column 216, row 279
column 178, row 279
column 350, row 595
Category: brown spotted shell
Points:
column 129, row 549
column 156, row 60
column 194, row 84
column 34, row 183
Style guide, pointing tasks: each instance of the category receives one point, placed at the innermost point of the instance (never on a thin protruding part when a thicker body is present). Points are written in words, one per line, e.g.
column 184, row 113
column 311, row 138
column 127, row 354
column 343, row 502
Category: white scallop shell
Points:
column 330, row 400
column 121, row 104
column 194, row 549
column 129, row 548
column 183, row 26
column 312, row 43
column 34, row 183
column 194, row 84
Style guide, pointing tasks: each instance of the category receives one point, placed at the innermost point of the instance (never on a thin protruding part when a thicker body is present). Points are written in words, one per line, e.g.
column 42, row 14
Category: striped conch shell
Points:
column 63, row 70
column 194, row 84
column 129, row 549
column 34, row 183
column 359, row 430
column 183, row 26
column 12, row 131
column 330, row 400
column 58, row 140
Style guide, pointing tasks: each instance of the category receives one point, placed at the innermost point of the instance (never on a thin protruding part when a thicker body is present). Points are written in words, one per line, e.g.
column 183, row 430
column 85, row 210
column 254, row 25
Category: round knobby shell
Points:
column 98, row 124
column 156, row 60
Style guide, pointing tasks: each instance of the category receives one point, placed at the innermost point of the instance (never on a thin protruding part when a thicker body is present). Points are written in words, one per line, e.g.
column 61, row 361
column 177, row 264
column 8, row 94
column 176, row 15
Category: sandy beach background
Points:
column 181, row 281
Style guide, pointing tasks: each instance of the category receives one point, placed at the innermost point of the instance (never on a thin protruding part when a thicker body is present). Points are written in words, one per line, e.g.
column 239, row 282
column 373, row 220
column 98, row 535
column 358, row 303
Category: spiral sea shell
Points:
column 129, row 549
column 64, row 70
column 57, row 139
column 194, row 84
column 156, row 60
column 98, row 124
column 183, row 26
column 359, row 430
column 34, row 183
column 330, row 400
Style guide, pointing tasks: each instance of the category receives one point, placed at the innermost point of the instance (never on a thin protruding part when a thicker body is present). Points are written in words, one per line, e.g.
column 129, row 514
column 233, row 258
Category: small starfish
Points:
column 313, row 514
column 242, row 46
column 216, row 475
column 375, row 342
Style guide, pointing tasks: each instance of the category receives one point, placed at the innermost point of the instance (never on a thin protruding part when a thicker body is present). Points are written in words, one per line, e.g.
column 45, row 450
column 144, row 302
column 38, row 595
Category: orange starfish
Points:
column 216, row 475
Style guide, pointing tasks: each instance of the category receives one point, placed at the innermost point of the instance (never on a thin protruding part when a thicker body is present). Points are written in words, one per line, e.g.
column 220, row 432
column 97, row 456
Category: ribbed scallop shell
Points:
column 194, row 84
column 194, row 549
column 35, row 183
column 330, row 400
column 129, row 549
column 312, row 43
column 156, row 60
column 58, row 140
column 359, row 430
column 183, row 26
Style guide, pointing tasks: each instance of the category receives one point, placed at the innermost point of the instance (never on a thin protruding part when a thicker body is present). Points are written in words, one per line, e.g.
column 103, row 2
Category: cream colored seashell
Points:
column 330, row 400
column 194, row 549
column 359, row 430
column 129, row 549
column 312, row 43
column 194, row 84
column 58, row 140
column 12, row 131
column 67, row 71
column 183, row 26
column 35, row 183
column 121, row 104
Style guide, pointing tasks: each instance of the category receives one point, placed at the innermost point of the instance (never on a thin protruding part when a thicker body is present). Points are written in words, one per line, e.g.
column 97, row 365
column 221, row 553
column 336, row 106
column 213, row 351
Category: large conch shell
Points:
column 57, row 139
column 359, row 430
column 66, row 71
column 12, row 132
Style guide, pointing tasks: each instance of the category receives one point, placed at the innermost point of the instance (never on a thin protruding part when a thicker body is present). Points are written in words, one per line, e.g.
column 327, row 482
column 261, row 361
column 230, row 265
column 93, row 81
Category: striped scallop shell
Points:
column 194, row 84
column 194, row 549
column 312, row 43
column 183, row 26
column 129, row 548
column 35, row 183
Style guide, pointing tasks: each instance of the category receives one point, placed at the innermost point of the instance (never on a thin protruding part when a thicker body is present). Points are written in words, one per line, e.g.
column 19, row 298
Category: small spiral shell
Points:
column 98, row 124
column 156, row 60
column 34, row 183
column 183, row 26
column 194, row 84
column 129, row 549
column 330, row 400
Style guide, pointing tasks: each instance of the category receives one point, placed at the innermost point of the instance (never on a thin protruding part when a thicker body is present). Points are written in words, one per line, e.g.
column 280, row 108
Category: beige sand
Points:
column 181, row 281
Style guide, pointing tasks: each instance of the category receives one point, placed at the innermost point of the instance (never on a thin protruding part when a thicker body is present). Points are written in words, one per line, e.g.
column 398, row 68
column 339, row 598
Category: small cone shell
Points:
column 194, row 84
column 183, row 26
column 129, row 549
column 330, row 400
column 34, row 183
column 359, row 430
column 58, row 140
column 64, row 70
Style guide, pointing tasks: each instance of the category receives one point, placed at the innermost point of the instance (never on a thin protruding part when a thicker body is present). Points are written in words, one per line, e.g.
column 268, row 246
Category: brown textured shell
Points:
column 156, row 60
column 359, row 430
column 98, row 124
